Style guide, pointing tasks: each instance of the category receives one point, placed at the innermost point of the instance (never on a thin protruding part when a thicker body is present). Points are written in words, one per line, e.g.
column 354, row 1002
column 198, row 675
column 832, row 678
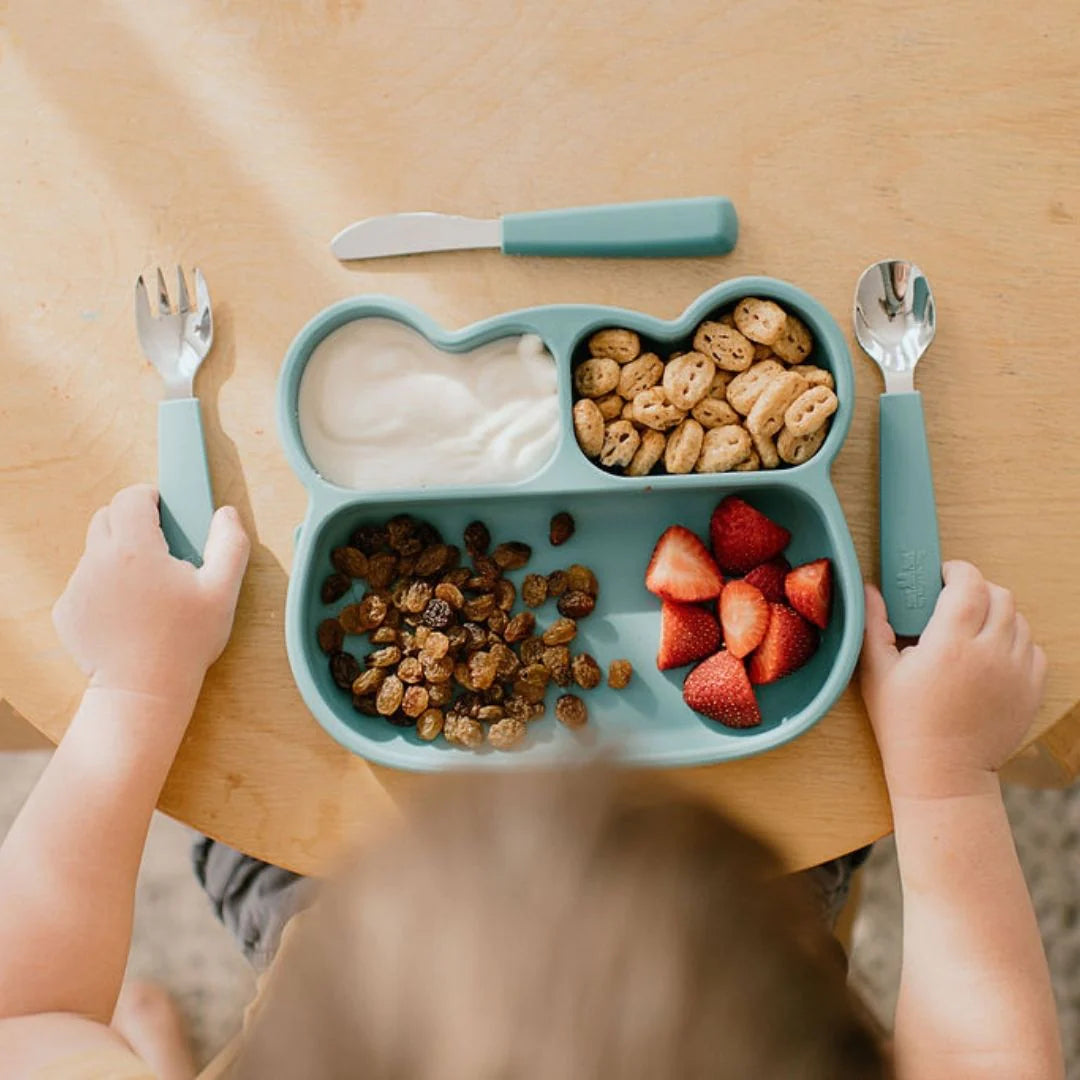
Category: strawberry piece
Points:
column 788, row 643
column 687, row 633
column 744, row 615
column 743, row 537
column 720, row 690
column 681, row 568
column 769, row 578
column 809, row 591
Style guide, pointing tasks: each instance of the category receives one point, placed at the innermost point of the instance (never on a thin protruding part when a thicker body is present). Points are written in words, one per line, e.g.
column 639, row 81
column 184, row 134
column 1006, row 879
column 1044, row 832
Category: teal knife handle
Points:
column 910, row 549
column 668, row 227
column 183, row 479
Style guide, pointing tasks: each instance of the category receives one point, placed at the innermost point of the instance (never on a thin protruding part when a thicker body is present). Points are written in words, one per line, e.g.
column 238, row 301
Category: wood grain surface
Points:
column 240, row 136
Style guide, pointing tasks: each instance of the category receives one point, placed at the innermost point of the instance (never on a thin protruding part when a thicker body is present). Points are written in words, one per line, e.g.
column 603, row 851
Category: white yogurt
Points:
column 380, row 407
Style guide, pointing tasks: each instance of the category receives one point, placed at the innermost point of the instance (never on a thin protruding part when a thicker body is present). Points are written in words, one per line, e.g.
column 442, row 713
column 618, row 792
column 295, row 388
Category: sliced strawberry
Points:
column 720, row 690
column 687, row 633
column 744, row 615
column 743, row 537
column 809, row 589
column 681, row 568
column 769, row 578
column 788, row 643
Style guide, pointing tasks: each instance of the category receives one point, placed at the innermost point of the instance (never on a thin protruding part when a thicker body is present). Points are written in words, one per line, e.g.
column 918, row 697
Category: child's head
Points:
column 575, row 926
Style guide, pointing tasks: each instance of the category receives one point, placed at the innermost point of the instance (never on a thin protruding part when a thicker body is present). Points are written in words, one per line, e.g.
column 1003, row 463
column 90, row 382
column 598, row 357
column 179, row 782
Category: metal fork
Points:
column 176, row 343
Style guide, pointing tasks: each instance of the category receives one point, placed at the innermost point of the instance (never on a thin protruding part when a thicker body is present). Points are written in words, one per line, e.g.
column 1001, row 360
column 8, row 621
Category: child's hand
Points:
column 133, row 617
column 949, row 712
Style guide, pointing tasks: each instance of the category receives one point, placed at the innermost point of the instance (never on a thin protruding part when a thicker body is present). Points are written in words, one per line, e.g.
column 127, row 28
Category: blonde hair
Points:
column 573, row 926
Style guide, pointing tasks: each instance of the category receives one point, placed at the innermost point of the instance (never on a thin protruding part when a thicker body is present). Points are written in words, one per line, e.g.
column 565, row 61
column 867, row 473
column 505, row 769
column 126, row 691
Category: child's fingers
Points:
column 1000, row 611
column 879, row 640
column 1022, row 640
column 1039, row 666
column 226, row 554
column 134, row 517
column 963, row 603
column 97, row 532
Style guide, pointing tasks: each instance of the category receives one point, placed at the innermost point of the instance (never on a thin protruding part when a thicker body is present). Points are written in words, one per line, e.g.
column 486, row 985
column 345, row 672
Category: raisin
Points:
column 469, row 704
column 534, row 589
column 586, row 671
column 457, row 577
column 581, row 579
column 417, row 597
column 619, row 672
column 381, row 570
column 438, row 614
column 494, row 694
column 368, row 682
column 507, row 664
column 369, row 539
column 490, row 713
column 481, row 670
column 560, row 632
column 486, row 575
column 421, row 636
column 439, row 693
column 576, row 604
column 400, row 719
column 435, row 645
column 406, row 565
column 458, row 637
column 537, row 708
column 520, row 626
column 451, row 594
column 399, row 529
column 432, row 560
column 410, row 670
column 392, row 618
column 479, row 607
column 477, row 538
column 437, row 670
column 561, row 528
column 512, row 556
column 368, row 614
column 385, row 635
column 557, row 583
column 531, row 682
column 505, row 594
column 388, row 699
column 557, row 661
column 349, row 561
column 477, row 636
column 414, row 702
column 365, row 705
column 385, row 657
column 571, row 711
column 461, row 674
column 531, row 650
column 398, row 593
column 429, row 724
column 506, row 733
column 334, row 588
column 497, row 624
column 331, row 636
column 464, row 732
column 517, row 707
column 344, row 667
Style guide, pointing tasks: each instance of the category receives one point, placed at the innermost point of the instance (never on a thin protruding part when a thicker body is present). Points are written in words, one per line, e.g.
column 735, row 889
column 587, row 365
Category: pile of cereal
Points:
column 450, row 655
column 745, row 398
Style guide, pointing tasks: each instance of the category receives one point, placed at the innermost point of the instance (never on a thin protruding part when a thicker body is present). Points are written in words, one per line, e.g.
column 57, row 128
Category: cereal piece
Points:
column 815, row 376
column 429, row 724
column 653, row 409
column 512, row 555
column 436, row 644
column 571, row 711
column 596, row 377
column 761, row 321
column 621, row 441
column 576, row 604
column 751, row 464
column 334, row 588
column 720, row 382
column 349, row 561
column 381, row 570
column 810, row 410
column 557, row 582
column 688, row 379
column 628, row 413
column 767, row 415
column 330, row 635
column 520, row 627
column 438, row 614
column 744, row 390
column 766, row 450
column 763, row 352
column 505, row 594
column 713, row 412
column 462, row 731
column 557, row 661
column 368, row 682
column 390, row 695
column 610, row 406
column 794, row 343
column 684, row 447
column 795, row 449
column 723, row 448
column 619, row 345
column 725, row 345
column 534, row 589
column 369, row 539
column 410, row 670
column 582, row 578
column 506, row 733
column 586, row 671
column 648, row 453
column 640, row 374
column 559, row 632
column 386, row 657
column 619, row 673
column 477, row 538
column 589, row 427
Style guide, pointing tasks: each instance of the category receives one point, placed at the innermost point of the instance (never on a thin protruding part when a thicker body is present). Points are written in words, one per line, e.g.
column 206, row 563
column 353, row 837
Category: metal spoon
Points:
column 894, row 324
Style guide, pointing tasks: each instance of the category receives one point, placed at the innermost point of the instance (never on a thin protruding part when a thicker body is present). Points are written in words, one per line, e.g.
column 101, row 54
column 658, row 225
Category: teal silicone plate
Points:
column 618, row 521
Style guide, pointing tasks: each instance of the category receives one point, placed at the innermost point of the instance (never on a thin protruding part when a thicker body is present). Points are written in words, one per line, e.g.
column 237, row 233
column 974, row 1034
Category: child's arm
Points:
column 144, row 627
column 975, row 997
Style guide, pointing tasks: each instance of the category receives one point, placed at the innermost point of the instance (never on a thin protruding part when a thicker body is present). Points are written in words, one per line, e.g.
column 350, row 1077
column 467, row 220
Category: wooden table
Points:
column 242, row 136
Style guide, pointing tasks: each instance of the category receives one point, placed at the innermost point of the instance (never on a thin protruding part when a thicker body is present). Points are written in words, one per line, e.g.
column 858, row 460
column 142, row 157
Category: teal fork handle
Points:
column 667, row 227
column 910, row 549
column 183, row 479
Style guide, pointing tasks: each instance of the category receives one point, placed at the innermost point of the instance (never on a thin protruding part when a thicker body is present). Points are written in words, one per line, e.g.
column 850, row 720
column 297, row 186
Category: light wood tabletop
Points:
column 242, row 136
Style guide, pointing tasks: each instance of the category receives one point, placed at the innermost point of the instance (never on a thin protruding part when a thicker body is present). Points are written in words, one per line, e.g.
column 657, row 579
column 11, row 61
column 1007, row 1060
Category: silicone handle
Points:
column 183, row 479
column 668, row 227
column 910, row 550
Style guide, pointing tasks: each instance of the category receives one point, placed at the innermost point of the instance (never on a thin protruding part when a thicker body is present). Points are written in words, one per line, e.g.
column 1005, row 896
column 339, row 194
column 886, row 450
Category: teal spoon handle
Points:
column 183, row 479
column 910, row 549
column 668, row 227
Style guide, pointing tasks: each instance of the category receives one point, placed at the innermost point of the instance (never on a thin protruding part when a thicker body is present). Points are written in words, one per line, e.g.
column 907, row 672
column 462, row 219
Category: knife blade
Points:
column 667, row 227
